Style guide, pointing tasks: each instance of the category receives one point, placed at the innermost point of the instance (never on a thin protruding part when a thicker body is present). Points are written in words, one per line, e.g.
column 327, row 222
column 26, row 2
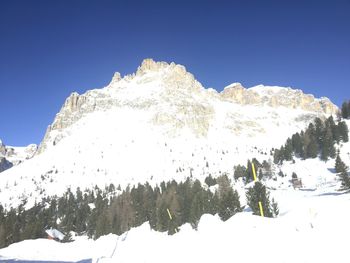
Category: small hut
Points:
column 297, row 183
column 54, row 234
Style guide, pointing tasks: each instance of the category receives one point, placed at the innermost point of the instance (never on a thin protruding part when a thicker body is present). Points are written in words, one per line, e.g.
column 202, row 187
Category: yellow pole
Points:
column 261, row 209
column 254, row 174
column 171, row 218
column 255, row 180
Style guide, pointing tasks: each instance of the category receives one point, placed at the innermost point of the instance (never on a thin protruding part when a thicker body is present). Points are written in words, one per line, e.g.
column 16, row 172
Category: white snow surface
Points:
column 311, row 228
column 125, row 145
column 54, row 233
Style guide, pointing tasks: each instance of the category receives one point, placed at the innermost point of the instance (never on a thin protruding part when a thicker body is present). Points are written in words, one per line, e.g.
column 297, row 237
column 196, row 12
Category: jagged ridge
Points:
column 162, row 86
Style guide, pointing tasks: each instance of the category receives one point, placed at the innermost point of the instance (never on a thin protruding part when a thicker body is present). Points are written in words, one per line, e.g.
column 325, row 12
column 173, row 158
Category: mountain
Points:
column 161, row 124
column 158, row 124
column 10, row 156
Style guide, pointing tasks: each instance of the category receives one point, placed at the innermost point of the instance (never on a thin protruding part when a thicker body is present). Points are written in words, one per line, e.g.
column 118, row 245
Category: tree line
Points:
column 99, row 212
column 318, row 139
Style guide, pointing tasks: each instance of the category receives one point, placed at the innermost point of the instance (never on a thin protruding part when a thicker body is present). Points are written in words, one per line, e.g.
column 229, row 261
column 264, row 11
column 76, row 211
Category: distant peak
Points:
column 234, row 85
column 116, row 77
column 149, row 64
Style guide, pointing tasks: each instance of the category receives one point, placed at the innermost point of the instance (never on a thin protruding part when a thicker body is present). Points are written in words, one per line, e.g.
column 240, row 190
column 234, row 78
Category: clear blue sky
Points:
column 49, row 49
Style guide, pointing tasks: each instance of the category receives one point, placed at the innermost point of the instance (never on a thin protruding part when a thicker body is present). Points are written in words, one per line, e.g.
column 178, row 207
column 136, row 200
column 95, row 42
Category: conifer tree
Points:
column 210, row 181
column 339, row 164
column 297, row 144
column 341, row 169
column 288, row 150
column 257, row 194
column 228, row 198
column 240, row 171
column 345, row 110
column 328, row 149
column 312, row 147
column 229, row 204
column 343, row 131
column 319, row 127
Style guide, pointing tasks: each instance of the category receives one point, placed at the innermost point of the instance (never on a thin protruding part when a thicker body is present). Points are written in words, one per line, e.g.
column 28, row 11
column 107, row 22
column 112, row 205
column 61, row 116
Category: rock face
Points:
column 178, row 101
column 4, row 164
column 11, row 156
column 277, row 97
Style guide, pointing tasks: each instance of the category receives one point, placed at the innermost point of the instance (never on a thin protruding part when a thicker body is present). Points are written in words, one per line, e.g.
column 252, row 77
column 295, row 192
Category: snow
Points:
column 310, row 229
column 54, row 233
column 148, row 120
column 105, row 151
column 149, row 137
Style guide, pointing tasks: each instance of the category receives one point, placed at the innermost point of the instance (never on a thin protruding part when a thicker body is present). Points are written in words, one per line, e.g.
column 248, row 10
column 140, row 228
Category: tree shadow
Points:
column 332, row 170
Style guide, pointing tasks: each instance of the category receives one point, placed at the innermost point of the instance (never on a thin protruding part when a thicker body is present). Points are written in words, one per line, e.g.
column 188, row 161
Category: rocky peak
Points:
column 116, row 78
column 159, row 86
column 238, row 94
column 149, row 64
column 10, row 156
column 2, row 148
column 275, row 96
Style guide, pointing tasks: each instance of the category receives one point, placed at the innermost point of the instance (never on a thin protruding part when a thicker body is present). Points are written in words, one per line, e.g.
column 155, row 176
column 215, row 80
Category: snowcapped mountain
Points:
column 10, row 156
column 161, row 124
column 158, row 124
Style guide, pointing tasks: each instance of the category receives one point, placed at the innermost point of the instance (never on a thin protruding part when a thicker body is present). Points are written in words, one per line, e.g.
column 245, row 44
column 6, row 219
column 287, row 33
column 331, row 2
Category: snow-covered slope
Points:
column 155, row 125
column 311, row 228
column 10, row 156
column 160, row 124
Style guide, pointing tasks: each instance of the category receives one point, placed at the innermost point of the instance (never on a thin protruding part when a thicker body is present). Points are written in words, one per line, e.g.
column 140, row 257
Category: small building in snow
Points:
column 54, row 234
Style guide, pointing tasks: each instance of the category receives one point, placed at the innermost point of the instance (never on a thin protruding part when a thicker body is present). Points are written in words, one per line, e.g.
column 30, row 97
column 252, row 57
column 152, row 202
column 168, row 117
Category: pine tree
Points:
column 312, row 147
column 229, row 204
column 288, row 150
column 345, row 180
column 210, row 181
column 257, row 194
column 249, row 172
column 343, row 131
column 319, row 127
column 228, row 198
column 341, row 169
column 328, row 149
column 334, row 129
column 240, row 171
column 339, row 164
column 275, row 209
column 277, row 156
column 345, row 110
column 297, row 144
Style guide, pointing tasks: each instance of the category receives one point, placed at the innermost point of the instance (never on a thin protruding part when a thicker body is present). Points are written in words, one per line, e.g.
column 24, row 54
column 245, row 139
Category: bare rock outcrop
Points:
column 277, row 97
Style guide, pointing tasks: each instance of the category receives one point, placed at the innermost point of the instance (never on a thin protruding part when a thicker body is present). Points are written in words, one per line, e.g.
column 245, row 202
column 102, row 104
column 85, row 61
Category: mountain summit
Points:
column 158, row 124
column 178, row 100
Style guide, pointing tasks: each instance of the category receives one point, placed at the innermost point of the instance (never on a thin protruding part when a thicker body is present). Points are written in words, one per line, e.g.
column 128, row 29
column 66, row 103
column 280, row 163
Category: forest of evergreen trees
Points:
column 99, row 212
column 318, row 140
